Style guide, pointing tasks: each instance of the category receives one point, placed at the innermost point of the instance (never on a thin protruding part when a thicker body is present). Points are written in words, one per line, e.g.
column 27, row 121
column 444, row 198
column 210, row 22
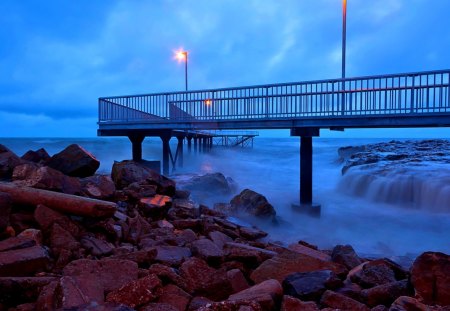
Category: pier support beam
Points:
column 195, row 144
column 180, row 151
column 189, row 144
column 136, row 146
column 306, row 170
column 166, row 152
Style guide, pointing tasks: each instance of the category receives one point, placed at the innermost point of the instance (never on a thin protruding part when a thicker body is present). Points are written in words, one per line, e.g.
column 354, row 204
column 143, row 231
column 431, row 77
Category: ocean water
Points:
column 271, row 168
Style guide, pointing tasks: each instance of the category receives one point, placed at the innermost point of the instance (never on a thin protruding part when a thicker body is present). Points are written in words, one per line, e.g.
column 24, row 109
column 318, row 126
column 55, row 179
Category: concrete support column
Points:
column 306, row 170
column 210, row 142
column 189, row 143
column 180, row 151
column 165, row 150
column 136, row 146
column 195, row 144
column 205, row 144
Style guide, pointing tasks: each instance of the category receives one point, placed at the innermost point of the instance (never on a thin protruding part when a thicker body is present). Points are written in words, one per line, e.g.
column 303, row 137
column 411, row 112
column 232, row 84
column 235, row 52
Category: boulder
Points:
column 136, row 293
column 203, row 280
column 207, row 250
column 237, row 280
column 168, row 275
column 431, row 278
column 405, row 303
column 199, row 302
column 126, row 172
column 8, row 161
column 182, row 209
column 341, row 302
column 175, row 296
column 61, row 239
column 74, row 161
column 98, row 187
column 377, row 272
column 158, row 307
column 5, row 210
column 77, row 291
column 172, row 255
column 288, row 262
column 219, row 238
column 251, row 233
column 267, row 294
column 96, row 247
column 16, row 243
column 250, row 255
column 47, row 299
column 142, row 257
column 32, row 234
column 15, row 290
column 155, row 206
column 345, row 255
column 385, row 294
column 39, row 156
column 23, row 262
column 252, row 203
column 312, row 252
column 43, row 177
column 290, row 303
column 214, row 183
column 310, row 285
column 46, row 217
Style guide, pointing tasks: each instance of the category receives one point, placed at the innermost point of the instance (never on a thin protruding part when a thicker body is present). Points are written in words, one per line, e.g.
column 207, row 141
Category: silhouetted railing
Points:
column 410, row 93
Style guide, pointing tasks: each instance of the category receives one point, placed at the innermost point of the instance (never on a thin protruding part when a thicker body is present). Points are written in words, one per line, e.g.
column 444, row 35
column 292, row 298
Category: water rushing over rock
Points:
column 413, row 174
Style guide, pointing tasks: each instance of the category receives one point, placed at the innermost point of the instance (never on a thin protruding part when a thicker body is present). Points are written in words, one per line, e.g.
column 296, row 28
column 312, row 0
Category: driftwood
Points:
column 62, row 202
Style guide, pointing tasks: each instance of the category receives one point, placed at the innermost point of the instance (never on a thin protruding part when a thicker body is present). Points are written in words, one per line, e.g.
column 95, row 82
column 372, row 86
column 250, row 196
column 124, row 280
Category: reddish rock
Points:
column 137, row 227
column 23, row 262
column 5, row 210
column 380, row 308
column 289, row 262
column 74, row 161
column 430, row 276
column 172, row 255
column 237, row 280
column 43, row 177
column 8, row 161
column 15, row 290
column 405, row 303
column 345, row 255
column 32, row 234
column 62, row 239
column 137, row 293
column 377, row 272
column 339, row 301
column 203, row 280
column 95, row 306
column 385, row 294
column 38, row 156
column 98, row 187
column 21, row 221
column 158, row 307
column 216, row 183
column 175, row 296
column 109, row 274
column 253, row 203
column 293, row 304
column 351, row 290
column 207, row 250
column 76, row 291
column 249, row 255
column 185, row 237
column 199, row 302
column 193, row 224
column 142, row 258
column 46, row 217
column 305, row 250
column 251, row 233
column 183, row 209
column 267, row 294
column 96, row 247
column 16, row 243
column 155, row 206
column 164, row 224
column 310, row 285
column 47, row 299
column 168, row 275
column 232, row 306
column 219, row 238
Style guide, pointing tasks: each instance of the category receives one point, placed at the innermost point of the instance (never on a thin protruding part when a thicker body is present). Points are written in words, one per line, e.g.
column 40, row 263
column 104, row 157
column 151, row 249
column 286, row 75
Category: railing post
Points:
column 412, row 94
column 342, row 97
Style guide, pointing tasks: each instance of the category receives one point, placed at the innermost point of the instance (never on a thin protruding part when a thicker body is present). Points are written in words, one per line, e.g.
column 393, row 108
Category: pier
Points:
column 419, row 99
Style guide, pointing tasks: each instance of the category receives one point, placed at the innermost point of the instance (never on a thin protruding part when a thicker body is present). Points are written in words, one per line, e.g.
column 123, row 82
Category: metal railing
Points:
column 409, row 93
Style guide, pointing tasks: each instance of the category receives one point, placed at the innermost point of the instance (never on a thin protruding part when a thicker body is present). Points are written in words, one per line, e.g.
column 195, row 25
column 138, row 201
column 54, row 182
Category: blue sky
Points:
column 58, row 56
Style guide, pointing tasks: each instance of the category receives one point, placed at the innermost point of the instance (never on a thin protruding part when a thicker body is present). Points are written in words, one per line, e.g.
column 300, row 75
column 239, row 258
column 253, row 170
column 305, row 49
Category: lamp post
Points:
column 344, row 34
column 183, row 56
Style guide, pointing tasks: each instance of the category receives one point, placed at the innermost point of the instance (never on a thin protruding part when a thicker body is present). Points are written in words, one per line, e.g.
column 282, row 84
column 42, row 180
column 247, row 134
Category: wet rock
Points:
column 345, row 255
column 142, row 257
column 32, row 234
column 175, row 296
column 136, row 293
column 339, row 301
column 241, row 305
column 308, row 251
column 377, row 272
column 185, row 237
column 310, row 285
column 194, row 224
column 95, row 306
column 43, row 177
column 405, row 303
column 168, row 275
column 46, row 217
column 267, row 294
column 39, row 156
column 172, row 255
column 158, row 307
column 61, row 239
column 8, row 161
column 23, row 262
column 155, row 206
column 247, row 254
column 253, row 203
column 16, row 243
column 137, row 227
column 127, row 172
column 251, row 233
column 290, row 262
column 98, row 187
column 431, row 278
column 183, row 209
column 385, row 294
column 290, row 303
column 237, row 280
column 5, row 210
column 96, row 246
column 199, row 302
column 74, row 161
column 15, row 290
column 207, row 250
column 219, row 238
column 47, row 299
column 203, row 280
column 214, row 183
column 77, row 291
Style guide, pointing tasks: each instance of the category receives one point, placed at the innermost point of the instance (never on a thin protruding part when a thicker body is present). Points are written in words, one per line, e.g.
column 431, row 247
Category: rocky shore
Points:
column 73, row 240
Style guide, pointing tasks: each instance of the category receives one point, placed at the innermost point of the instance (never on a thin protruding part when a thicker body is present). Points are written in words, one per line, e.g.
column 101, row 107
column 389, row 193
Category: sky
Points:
column 58, row 56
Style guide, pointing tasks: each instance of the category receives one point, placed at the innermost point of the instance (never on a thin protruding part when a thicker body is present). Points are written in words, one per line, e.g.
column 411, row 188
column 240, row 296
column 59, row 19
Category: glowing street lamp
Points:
column 182, row 56
column 344, row 33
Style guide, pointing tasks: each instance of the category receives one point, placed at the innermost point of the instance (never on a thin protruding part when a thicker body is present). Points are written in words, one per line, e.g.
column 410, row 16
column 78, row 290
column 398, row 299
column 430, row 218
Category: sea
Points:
column 271, row 167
